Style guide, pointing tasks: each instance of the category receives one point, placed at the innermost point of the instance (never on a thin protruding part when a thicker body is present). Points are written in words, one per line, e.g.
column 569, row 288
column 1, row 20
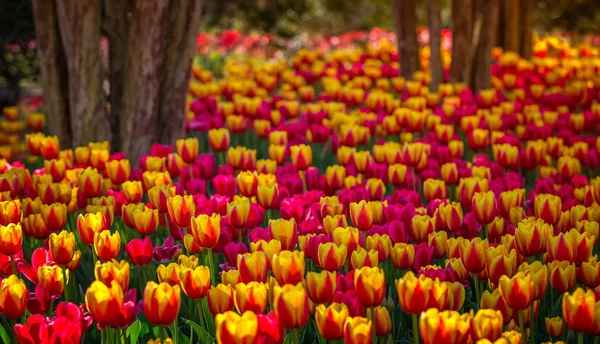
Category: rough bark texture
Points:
column 462, row 31
column 435, row 26
column 184, row 21
column 79, row 23
column 488, row 12
column 117, row 30
column 405, row 20
column 511, row 25
column 144, row 73
column 526, row 28
column 53, row 66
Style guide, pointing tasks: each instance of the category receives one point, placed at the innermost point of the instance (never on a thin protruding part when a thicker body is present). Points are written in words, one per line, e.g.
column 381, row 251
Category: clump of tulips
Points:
column 321, row 201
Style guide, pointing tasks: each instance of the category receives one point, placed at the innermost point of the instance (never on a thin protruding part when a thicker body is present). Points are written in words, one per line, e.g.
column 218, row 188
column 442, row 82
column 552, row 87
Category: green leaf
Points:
column 133, row 332
column 202, row 333
column 4, row 335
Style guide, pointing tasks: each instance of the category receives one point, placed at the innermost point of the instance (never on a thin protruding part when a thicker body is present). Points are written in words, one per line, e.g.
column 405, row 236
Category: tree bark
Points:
column 79, row 23
column 53, row 66
column 488, row 12
column 184, row 21
column 435, row 59
column 144, row 72
column 117, row 30
column 462, row 31
column 405, row 20
column 511, row 25
column 526, row 28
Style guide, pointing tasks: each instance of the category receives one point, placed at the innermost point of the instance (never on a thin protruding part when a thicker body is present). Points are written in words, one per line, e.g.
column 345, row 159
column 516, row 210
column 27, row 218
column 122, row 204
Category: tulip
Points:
column 370, row 286
column 517, row 291
column 13, row 297
column 107, row 245
column 288, row 267
column 382, row 320
column 206, row 229
column 231, row 277
column 11, row 239
column 443, row 327
column 539, row 274
column 358, row 330
column 331, row 257
column 413, row 292
column 590, row 273
column 434, row 189
column 233, row 328
column 52, row 278
column 554, row 327
column 10, row 212
column 106, row 210
column 422, row 226
column 62, row 247
column 578, row 310
column 133, row 191
column 90, row 183
column 187, row 149
column 330, row 320
column 251, row 296
column 499, row 262
column 267, row 195
column 285, row 231
column 487, row 324
column 161, row 303
column 181, row 209
column 548, row 208
column 290, row 303
column 169, row 273
column 195, row 282
column 118, row 171
column 238, row 212
column 270, row 249
column 88, row 225
column 529, row 237
column 360, row 258
column 562, row 276
column 472, row 254
column 449, row 216
column 361, row 215
column 218, row 139
column 158, row 196
column 253, row 267
column 320, row 286
column 484, row 207
column 145, row 221
column 220, row 299
column 376, row 188
column 55, row 216
column 113, row 271
column 102, row 301
column 301, row 156
column 403, row 255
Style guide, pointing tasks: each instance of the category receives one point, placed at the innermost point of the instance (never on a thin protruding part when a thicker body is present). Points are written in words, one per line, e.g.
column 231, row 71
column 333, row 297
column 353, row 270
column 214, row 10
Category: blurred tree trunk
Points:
column 511, row 25
column 462, row 31
column 184, row 20
column 79, row 23
column 435, row 27
column 405, row 20
column 526, row 28
column 53, row 66
column 117, row 31
column 487, row 12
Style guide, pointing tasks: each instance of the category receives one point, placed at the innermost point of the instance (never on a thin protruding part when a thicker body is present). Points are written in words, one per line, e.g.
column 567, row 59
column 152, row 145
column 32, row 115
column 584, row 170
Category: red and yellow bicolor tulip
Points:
column 195, row 282
column 579, row 310
column 234, row 328
column 52, row 278
column 88, row 225
column 414, row 292
column 361, row 215
column 107, row 245
column 285, row 231
column 145, row 220
column 55, row 216
column 13, row 297
column 288, row 267
column 517, row 291
column 562, row 275
column 220, row 299
column 218, row 139
column 62, row 246
column 133, row 191
column 444, row 327
column 548, row 208
column 330, row 320
column 472, row 254
column 181, row 209
column 484, row 206
column 238, row 211
column 370, row 286
column 11, row 239
column 320, row 286
column 188, row 149
column 358, row 330
column 290, row 303
column 104, row 301
column 118, row 171
column 487, row 324
column 554, row 326
column 301, row 156
column 161, row 303
column 331, row 257
column 113, row 271
column 251, row 296
column 206, row 229
column 253, row 267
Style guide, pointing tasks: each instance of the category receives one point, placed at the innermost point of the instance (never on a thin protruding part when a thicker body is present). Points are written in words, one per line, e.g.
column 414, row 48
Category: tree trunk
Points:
column 117, row 30
column 435, row 27
column 511, row 25
column 184, row 21
column 143, row 75
column 526, row 28
column 79, row 23
column 405, row 20
column 53, row 66
column 487, row 11
column 462, row 22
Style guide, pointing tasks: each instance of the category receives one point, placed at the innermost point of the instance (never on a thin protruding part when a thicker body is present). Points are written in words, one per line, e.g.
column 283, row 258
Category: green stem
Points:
column 522, row 326
column 175, row 331
column 93, row 256
column 415, row 328
column 211, row 265
column 161, row 332
column 532, row 321
column 12, row 330
column 372, row 316
column 201, row 314
column 14, row 266
column 595, row 340
column 303, row 177
column 477, row 291
column 579, row 337
column 295, row 336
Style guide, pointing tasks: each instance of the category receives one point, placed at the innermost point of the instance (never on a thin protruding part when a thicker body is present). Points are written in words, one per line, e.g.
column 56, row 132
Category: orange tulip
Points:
column 233, row 328
column 288, row 267
column 88, row 225
column 358, row 330
column 161, row 303
column 11, row 239
column 330, row 320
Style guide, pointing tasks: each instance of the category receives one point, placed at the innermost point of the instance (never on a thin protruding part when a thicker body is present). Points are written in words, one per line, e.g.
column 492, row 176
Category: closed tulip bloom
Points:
column 361, row 257
column 434, row 189
column 118, row 171
column 457, row 265
column 397, row 174
column 320, row 286
column 106, row 210
column 578, row 310
column 52, row 278
column 247, row 182
column 456, row 296
column 334, row 176
column 88, row 225
column 161, row 303
column 107, row 245
column 206, row 229
column 484, row 206
column 301, row 156
column 358, row 330
column 270, row 249
column 494, row 300
column 231, row 277
column 590, row 273
column 517, row 291
column 449, row 173
column 253, row 267
column 472, row 254
column 56, row 168
column 238, row 212
column 267, row 195
column 376, row 188
column 413, row 292
column 422, row 226
column 444, row 327
column 529, row 237
column 104, row 302
column 195, row 283
column 499, row 262
column 113, row 271
column 382, row 320
column 487, row 324
column 539, row 274
column 158, row 196
column 403, row 255
column 181, row 209
column 330, row 320
column 290, row 303
column 251, row 296
column 13, row 297
column 467, row 187
column 437, row 241
column 288, row 267
column 285, row 231
column 90, row 183
column 139, row 251
column 187, row 149
column 220, row 299
column 548, row 208
column 62, row 247
column 55, row 216
column 218, row 139
column 233, row 328
column 12, row 211
column 127, row 211
column 554, row 326
column 133, row 191
column 331, row 257
column 168, row 273
column 11, row 239
column 562, row 275
column 449, row 216
column 361, row 215
column 370, row 286
column 145, row 221
column 331, row 222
